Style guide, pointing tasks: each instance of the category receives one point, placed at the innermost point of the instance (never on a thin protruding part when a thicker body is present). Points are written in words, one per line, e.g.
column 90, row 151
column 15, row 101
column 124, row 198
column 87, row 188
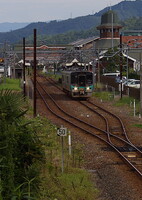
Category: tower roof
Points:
column 109, row 18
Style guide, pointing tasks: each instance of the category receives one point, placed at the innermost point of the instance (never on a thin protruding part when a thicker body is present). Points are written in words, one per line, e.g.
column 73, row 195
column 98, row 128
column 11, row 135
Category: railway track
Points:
column 113, row 123
column 117, row 140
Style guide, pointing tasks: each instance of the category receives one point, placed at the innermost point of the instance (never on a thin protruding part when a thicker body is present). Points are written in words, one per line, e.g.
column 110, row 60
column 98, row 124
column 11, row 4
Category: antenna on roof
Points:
column 107, row 5
column 110, row 5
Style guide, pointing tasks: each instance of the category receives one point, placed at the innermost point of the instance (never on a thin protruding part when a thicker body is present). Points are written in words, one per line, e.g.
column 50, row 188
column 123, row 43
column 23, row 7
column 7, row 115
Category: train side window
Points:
column 67, row 79
column 63, row 78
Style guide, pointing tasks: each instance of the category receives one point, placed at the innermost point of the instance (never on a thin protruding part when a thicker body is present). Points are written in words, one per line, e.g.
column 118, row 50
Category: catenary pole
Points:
column 24, row 80
column 121, row 66
column 34, row 73
column 112, row 30
column 141, row 84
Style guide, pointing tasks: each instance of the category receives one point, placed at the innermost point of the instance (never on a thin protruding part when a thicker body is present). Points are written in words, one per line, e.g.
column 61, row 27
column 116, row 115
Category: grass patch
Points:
column 98, row 85
column 77, row 185
column 52, row 75
column 11, row 84
column 129, row 102
column 138, row 125
column 124, row 101
column 106, row 96
column 71, row 185
column 74, row 182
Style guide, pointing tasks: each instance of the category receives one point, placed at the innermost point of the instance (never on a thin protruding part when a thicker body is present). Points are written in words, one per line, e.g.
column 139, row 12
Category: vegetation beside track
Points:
column 104, row 96
column 21, row 150
column 125, row 102
column 138, row 125
column 11, row 84
column 129, row 102
column 74, row 182
column 30, row 160
column 52, row 75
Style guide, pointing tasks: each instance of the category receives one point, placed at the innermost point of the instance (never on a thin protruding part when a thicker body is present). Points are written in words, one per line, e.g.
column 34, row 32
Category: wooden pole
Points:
column 34, row 73
column 121, row 66
column 24, row 81
column 141, row 84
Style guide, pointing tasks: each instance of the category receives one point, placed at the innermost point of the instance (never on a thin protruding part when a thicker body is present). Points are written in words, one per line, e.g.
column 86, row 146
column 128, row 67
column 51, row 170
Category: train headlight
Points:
column 87, row 88
column 75, row 88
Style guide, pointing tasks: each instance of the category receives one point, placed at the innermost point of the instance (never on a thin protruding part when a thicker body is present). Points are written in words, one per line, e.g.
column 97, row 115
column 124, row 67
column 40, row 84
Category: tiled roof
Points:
column 83, row 41
column 106, row 43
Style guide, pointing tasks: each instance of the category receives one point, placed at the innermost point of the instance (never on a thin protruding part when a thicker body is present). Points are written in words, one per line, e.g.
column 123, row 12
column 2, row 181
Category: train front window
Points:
column 74, row 78
column 82, row 80
column 89, row 79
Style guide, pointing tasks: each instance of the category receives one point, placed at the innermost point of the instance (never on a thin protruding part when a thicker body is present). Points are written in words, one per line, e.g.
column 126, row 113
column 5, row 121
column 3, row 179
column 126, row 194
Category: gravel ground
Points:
column 114, row 180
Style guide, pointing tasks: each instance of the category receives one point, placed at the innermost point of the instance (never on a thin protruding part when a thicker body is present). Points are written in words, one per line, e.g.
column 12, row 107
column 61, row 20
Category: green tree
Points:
column 112, row 58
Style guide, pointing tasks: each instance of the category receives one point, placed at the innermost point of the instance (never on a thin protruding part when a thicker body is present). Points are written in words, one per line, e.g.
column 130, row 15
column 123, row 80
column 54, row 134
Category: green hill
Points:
column 124, row 9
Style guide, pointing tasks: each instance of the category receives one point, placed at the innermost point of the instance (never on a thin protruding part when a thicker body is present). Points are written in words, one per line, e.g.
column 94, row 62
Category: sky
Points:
column 46, row 10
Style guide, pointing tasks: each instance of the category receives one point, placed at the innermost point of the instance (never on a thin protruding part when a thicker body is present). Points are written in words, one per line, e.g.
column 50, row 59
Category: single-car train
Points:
column 78, row 83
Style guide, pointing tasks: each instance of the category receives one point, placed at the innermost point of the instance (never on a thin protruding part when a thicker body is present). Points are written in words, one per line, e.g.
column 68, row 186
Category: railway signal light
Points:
column 1, row 60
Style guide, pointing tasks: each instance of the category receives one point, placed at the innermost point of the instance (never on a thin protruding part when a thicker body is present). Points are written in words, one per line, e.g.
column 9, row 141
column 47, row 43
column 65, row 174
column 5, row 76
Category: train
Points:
column 78, row 83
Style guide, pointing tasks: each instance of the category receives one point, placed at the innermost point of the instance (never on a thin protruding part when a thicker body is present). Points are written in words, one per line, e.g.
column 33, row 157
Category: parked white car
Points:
column 114, row 74
column 134, row 83
column 128, row 81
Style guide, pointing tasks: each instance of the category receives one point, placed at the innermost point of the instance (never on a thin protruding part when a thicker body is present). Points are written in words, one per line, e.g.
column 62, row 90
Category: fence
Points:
column 111, row 84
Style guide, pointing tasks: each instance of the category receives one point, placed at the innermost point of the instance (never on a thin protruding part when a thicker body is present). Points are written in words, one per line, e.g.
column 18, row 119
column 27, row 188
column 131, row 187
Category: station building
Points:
column 109, row 37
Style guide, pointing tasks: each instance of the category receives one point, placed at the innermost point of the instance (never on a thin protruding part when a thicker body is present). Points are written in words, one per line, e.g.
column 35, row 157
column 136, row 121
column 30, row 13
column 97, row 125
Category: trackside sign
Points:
column 62, row 132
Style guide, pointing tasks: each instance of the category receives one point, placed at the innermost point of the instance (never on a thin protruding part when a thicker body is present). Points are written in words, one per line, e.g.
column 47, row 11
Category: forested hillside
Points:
column 66, row 38
column 52, row 28
column 132, row 23
column 129, row 12
column 125, row 9
column 8, row 26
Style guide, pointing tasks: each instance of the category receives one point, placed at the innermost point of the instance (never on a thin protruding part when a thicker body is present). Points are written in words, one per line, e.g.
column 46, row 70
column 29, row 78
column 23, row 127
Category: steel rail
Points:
column 107, row 129
column 89, row 132
column 120, row 121
column 107, row 126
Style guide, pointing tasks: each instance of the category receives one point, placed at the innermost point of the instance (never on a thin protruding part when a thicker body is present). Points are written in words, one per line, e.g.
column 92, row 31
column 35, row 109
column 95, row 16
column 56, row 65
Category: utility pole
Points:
column 120, row 66
column 34, row 73
column 24, row 81
column 112, row 30
column 98, row 66
column 141, row 84
column 14, row 74
column 5, row 61
column 127, row 63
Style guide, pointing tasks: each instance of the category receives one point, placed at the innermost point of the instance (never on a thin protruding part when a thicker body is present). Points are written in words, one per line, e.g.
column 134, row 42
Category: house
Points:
column 48, row 54
column 1, row 71
column 109, row 37
column 132, row 46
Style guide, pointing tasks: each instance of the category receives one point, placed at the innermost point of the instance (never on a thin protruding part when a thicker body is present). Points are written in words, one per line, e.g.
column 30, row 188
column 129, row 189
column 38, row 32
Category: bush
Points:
column 21, row 149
